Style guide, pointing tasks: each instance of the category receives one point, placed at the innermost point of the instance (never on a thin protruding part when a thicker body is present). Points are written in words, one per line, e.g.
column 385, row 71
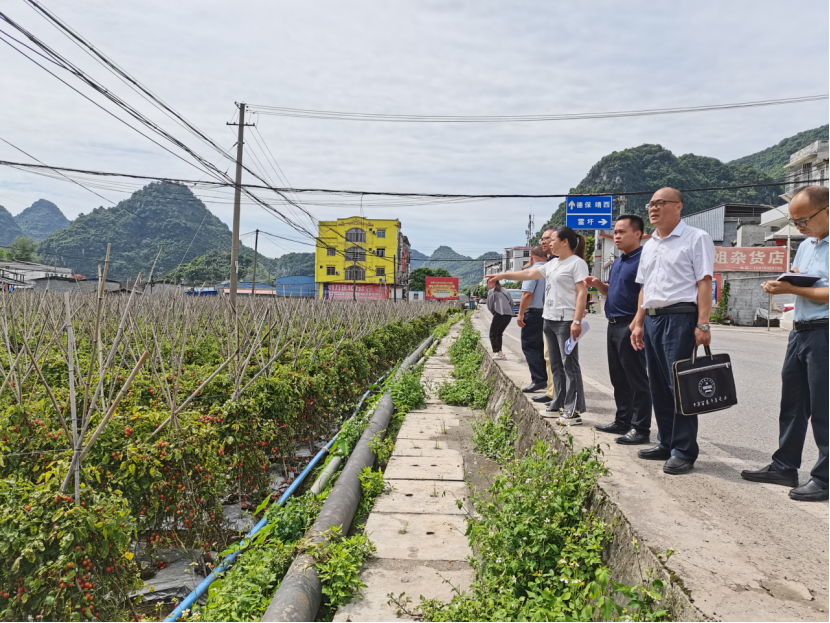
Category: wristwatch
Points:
column 577, row 321
column 702, row 327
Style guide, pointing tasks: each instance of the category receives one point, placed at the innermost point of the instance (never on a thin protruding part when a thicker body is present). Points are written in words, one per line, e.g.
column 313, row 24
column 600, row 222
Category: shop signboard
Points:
column 766, row 259
column 359, row 291
column 441, row 288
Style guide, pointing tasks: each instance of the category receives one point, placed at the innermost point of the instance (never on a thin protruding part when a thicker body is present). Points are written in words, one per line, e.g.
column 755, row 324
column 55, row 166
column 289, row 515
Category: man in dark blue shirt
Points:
column 626, row 366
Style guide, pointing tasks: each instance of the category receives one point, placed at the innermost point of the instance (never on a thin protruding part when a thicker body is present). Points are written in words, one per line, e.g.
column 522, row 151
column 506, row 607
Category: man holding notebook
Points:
column 804, row 395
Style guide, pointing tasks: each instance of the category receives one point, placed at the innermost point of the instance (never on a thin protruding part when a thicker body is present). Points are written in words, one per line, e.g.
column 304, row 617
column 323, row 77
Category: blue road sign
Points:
column 589, row 212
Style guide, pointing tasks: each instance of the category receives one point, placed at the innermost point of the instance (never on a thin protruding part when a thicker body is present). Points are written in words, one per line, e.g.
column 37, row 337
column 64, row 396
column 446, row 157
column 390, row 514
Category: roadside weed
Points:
column 495, row 439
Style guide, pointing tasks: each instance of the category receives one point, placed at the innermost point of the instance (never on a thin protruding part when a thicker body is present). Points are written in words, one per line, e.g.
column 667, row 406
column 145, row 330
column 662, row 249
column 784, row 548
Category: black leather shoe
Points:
column 675, row 465
column 542, row 398
column 811, row 492
column 655, row 453
column 770, row 476
column 534, row 387
column 614, row 427
column 633, row 438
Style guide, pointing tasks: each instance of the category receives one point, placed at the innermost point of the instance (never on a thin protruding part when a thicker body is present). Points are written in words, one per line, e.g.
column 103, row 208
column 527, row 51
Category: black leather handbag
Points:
column 704, row 384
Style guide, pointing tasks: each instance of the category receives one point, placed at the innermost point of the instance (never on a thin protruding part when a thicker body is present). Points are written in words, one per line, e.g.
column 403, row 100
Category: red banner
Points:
column 441, row 288
column 768, row 259
column 360, row 291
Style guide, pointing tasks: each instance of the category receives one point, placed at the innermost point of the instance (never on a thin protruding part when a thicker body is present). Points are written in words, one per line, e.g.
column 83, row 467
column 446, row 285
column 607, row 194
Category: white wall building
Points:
column 808, row 167
column 514, row 258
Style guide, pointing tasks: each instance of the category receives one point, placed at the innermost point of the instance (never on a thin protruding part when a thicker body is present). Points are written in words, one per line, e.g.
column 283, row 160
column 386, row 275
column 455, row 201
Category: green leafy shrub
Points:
column 539, row 548
column 495, row 439
column 243, row 592
column 406, row 391
column 61, row 561
column 339, row 563
column 469, row 389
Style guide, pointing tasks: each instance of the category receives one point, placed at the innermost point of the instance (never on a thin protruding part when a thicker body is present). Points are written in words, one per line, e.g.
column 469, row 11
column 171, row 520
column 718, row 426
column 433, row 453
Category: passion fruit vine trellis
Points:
column 99, row 337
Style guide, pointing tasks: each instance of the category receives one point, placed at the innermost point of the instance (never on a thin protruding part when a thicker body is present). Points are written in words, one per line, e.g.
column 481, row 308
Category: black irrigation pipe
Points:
column 300, row 594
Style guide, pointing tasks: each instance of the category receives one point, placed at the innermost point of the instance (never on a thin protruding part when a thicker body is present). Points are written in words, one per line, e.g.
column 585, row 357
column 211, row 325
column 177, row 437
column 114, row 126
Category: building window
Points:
column 380, row 252
column 526, row 253
column 380, row 272
column 355, row 234
column 355, row 254
column 330, row 251
column 355, row 273
column 380, row 233
column 330, row 270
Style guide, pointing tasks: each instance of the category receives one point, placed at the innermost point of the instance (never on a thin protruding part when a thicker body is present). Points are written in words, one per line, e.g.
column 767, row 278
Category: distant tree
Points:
column 211, row 268
column 23, row 249
column 417, row 278
column 590, row 244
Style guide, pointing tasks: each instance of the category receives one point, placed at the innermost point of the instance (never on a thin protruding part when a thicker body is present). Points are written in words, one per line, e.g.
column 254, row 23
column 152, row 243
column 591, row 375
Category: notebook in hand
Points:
column 798, row 279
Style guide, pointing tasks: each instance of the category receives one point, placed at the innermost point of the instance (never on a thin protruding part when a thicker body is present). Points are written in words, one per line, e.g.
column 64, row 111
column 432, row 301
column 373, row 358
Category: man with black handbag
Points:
column 675, row 272
column 804, row 395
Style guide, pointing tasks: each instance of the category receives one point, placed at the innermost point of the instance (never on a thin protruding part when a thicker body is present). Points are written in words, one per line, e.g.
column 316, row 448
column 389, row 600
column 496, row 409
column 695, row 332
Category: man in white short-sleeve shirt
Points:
column 675, row 272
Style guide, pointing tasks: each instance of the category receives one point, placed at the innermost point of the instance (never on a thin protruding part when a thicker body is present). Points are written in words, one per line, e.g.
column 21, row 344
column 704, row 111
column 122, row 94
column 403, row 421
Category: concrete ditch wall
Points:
column 627, row 563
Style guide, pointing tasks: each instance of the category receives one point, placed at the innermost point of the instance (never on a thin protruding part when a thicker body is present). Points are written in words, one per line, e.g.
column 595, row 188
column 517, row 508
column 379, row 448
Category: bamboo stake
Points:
column 78, row 455
column 70, row 342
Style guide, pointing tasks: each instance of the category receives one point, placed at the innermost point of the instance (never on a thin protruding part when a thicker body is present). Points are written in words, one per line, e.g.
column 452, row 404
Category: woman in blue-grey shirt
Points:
column 500, row 304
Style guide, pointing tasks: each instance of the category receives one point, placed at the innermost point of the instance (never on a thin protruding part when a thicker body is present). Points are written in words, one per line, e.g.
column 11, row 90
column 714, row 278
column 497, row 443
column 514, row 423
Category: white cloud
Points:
column 482, row 57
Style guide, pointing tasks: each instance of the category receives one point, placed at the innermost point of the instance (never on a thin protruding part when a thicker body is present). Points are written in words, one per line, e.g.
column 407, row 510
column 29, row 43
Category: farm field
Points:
column 130, row 424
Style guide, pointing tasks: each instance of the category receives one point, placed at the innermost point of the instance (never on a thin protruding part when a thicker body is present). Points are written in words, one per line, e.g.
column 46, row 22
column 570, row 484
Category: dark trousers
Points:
column 533, row 345
column 497, row 327
column 803, row 399
column 627, row 368
column 669, row 338
column 567, row 374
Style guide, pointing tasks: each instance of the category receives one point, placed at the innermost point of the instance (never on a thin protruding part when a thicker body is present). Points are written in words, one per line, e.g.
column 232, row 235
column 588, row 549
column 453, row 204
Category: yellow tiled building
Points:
column 360, row 251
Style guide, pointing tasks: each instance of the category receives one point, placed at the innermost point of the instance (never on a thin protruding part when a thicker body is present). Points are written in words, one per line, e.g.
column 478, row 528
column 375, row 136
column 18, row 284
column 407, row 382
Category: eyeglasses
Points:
column 802, row 222
column 659, row 203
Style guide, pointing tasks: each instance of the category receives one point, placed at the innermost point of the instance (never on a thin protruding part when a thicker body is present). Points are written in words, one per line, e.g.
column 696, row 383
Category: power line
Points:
column 405, row 118
column 379, row 193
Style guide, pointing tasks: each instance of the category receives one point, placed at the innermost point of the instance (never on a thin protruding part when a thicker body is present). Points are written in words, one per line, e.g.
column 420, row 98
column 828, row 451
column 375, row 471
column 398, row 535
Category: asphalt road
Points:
column 748, row 431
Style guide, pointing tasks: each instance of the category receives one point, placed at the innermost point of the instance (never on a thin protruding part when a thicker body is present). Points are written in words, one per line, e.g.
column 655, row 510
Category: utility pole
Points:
column 256, row 243
column 237, row 197
column 395, row 276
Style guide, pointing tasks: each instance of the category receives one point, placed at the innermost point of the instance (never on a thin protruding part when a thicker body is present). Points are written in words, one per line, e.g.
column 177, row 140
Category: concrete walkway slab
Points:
column 432, row 420
column 425, row 468
column 423, row 496
column 418, row 536
column 420, row 431
column 420, row 447
column 434, row 579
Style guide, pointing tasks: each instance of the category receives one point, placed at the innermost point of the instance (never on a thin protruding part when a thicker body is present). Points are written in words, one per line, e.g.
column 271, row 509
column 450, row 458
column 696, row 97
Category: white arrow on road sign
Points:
column 571, row 204
column 602, row 221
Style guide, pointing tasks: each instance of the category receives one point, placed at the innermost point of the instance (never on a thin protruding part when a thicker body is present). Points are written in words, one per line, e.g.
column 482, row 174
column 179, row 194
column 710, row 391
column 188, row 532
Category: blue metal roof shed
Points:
column 296, row 286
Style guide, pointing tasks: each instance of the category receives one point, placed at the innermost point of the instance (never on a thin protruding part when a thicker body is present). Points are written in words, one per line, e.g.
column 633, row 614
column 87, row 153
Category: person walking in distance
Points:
column 531, row 321
column 675, row 301
column 626, row 366
column 804, row 376
column 565, row 297
column 500, row 304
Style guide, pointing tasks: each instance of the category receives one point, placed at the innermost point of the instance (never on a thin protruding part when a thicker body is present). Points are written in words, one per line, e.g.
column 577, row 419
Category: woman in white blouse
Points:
column 566, row 295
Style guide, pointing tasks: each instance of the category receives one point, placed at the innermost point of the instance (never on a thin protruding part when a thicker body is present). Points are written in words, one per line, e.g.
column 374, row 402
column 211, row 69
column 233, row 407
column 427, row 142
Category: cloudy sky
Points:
column 445, row 57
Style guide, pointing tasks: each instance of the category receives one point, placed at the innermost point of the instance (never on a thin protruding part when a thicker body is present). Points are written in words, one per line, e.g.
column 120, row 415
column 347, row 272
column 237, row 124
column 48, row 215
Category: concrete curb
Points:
column 300, row 594
column 627, row 564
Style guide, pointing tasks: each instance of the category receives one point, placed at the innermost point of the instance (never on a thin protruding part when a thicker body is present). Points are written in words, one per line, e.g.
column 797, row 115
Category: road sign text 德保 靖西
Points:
column 589, row 212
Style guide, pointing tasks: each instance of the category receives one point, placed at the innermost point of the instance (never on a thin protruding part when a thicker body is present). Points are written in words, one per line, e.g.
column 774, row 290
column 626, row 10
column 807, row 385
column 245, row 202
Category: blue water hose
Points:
column 205, row 584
